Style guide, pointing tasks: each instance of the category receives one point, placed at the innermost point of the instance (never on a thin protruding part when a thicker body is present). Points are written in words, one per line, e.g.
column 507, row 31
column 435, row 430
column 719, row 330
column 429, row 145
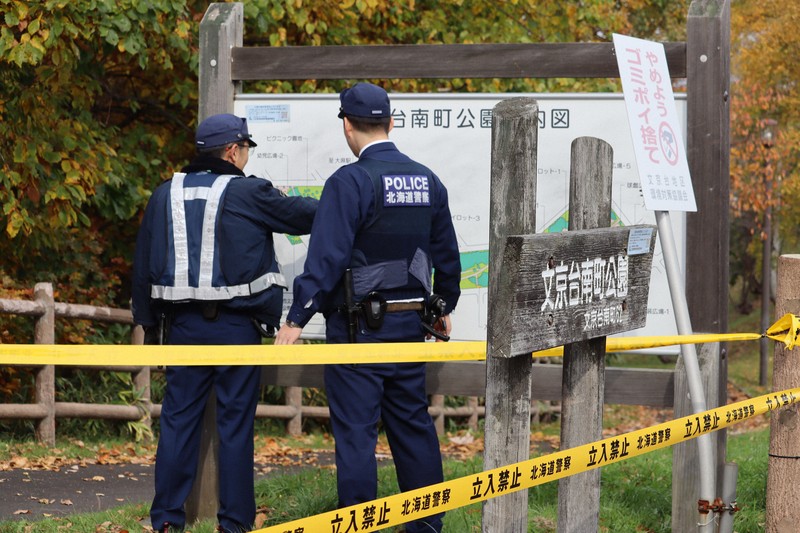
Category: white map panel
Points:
column 300, row 144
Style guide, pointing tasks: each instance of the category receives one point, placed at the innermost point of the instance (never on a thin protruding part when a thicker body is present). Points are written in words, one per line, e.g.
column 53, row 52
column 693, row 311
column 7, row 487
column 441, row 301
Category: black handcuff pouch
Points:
column 374, row 310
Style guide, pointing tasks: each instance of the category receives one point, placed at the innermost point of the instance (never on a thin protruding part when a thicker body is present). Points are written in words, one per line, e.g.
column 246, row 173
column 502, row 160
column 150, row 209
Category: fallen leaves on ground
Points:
column 56, row 459
column 109, row 527
column 262, row 513
column 271, row 452
column 462, row 445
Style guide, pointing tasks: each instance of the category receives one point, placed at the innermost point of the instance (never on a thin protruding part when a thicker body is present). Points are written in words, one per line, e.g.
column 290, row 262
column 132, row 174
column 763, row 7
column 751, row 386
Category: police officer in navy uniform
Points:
column 205, row 273
column 386, row 219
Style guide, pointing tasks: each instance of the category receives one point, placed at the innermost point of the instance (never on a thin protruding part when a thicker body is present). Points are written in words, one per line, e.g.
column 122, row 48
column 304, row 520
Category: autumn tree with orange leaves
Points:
column 766, row 66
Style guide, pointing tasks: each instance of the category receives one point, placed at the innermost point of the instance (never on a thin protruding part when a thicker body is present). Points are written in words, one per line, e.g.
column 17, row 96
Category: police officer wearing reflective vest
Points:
column 382, row 266
column 205, row 273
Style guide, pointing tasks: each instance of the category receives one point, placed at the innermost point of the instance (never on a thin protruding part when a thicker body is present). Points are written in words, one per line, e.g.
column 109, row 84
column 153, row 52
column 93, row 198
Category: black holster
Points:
column 433, row 313
column 158, row 334
column 210, row 310
column 373, row 309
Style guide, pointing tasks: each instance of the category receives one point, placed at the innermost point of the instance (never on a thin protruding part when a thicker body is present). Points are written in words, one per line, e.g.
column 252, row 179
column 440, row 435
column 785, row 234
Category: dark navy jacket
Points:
column 354, row 202
column 250, row 210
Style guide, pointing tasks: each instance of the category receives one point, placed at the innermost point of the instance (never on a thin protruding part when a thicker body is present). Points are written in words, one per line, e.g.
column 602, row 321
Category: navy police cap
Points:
column 219, row 130
column 364, row 100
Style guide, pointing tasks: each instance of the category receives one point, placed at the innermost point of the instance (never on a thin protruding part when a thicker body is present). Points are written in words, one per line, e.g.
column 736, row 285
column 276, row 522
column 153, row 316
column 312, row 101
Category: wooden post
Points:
column 508, row 378
column 708, row 152
column 783, row 471
column 472, row 422
column 221, row 29
column 708, row 38
column 294, row 398
column 141, row 380
column 591, row 169
column 437, row 402
column 685, row 462
column 45, row 384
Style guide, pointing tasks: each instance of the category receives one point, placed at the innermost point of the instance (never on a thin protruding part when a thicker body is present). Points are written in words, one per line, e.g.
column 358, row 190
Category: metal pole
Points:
column 729, row 475
column 766, row 292
column 768, row 134
column 705, row 448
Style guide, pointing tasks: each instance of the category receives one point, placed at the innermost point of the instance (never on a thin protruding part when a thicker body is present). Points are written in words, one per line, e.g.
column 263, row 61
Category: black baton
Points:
column 352, row 308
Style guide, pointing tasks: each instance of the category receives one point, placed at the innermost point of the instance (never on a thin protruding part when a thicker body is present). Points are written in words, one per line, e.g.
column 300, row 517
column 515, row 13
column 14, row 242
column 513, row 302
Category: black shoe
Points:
column 221, row 529
column 166, row 527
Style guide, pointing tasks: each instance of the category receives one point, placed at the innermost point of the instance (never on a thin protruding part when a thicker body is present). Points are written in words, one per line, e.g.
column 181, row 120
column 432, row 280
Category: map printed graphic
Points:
column 300, row 144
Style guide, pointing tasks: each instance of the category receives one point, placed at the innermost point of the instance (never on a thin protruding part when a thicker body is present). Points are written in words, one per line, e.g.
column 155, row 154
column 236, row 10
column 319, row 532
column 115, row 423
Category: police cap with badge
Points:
column 365, row 102
column 222, row 129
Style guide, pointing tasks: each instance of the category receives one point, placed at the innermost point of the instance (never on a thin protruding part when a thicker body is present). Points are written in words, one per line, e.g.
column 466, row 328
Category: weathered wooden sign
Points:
column 576, row 285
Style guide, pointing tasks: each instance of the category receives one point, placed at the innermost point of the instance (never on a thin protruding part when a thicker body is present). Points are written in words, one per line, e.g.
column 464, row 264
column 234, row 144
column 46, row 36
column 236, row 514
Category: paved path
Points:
column 36, row 494
column 28, row 494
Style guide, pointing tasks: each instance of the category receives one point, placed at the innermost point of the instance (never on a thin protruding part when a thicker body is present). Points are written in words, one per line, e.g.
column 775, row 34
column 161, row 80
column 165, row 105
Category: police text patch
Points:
column 405, row 190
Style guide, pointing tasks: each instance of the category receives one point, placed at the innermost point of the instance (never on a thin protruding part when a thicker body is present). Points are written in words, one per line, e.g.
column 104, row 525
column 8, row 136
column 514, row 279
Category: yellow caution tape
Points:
column 183, row 355
column 419, row 503
column 785, row 330
column 446, row 496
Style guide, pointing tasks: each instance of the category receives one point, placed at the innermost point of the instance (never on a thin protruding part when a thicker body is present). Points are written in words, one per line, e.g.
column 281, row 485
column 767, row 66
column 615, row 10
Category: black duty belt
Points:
column 374, row 306
column 397, row 307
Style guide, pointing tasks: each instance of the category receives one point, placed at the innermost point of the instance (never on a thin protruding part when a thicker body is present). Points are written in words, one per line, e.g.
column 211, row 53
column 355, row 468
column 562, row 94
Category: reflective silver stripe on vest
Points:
column 219, row 293
column 204, row 291
column 180, row 239
column 210, row 229
column 196, row 193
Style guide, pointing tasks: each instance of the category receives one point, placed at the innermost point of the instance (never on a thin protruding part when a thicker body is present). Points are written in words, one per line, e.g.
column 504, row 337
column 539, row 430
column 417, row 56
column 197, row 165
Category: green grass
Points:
column 635, row 496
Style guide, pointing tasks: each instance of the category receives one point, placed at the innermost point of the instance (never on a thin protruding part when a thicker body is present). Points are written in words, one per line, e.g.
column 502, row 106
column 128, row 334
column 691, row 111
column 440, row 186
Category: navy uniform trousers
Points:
column 361, row 394
column 188, row 389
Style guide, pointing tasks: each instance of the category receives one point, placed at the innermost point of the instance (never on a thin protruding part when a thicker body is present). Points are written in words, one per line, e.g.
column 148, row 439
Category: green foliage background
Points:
column 95, row 98
column 98, row 103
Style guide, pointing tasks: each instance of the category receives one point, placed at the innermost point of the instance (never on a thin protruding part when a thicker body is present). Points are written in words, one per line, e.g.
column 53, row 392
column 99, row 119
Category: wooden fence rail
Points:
column 45, row 409
column 464, row 380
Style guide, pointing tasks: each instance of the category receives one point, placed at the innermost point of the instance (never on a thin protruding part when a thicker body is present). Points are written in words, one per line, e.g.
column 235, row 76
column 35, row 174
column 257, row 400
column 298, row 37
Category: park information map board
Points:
column 300, row 144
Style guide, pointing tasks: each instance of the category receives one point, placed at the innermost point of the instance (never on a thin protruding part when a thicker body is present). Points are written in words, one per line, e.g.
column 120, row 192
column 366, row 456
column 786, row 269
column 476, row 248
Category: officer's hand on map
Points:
column 289, row 333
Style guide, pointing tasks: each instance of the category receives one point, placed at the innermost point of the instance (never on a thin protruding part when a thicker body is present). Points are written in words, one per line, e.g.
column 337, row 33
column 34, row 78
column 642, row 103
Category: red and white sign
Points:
column 653, row 118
